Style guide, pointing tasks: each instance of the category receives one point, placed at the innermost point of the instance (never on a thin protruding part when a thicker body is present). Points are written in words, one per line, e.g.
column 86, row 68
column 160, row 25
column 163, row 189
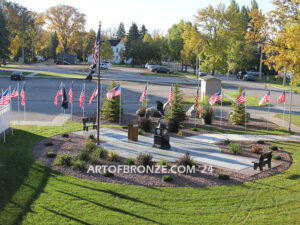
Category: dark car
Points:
column 249, row 77
column 161, row 69
column 17, row 75
column 241, row 74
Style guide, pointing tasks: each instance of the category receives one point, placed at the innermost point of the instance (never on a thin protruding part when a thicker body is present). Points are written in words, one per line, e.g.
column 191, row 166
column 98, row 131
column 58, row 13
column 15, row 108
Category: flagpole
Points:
column 18, row 85
column 24, row 103
column 268, row 111
column 246, row 112
column 10, row 102
column 99, row 86
column 195, row 120
column 172, row 104
column 72, row 102
column 221, row 108
column 83, row 100
column 4, row 133
column 120, row 104
column 283, row 114
column 147, row 101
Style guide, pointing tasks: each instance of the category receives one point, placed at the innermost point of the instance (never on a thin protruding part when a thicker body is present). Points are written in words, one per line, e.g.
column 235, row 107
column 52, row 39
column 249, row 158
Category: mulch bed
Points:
column 72, row 145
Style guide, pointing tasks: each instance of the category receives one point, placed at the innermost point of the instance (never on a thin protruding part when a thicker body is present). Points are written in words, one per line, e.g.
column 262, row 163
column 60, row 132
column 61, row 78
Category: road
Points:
column 41, row 91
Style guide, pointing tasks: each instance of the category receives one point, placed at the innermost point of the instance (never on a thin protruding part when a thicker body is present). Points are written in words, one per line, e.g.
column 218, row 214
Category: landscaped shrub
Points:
column 79, row 165
column 223, row 176
column 111, row 108
column 112, row 156
column 167, row 178
column 89, row 145
column 260, row 142
column 237, row 115
column 226, row 142
column 164, row 162
column 173, row 125
column 84, row 155
column 65, row 135
column 49, row 143
column 180, row 133
column 144, row 160
column 277, row 157
column 255, row 149
column 235, row 148
column 140, row 131
column 195, row 129
column 51, row 154
column 100, row 153
column 273, row 147
column 130, row 161
column 63, row 160
column 145, row 124
column 108, row 174
column 178, row 109
column 185, row 160
column 92, row 137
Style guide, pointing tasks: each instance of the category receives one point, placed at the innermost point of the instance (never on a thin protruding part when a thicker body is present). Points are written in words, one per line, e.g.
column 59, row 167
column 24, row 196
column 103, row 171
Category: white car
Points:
column 107, row 63
column 103, row 66
column 255, row 73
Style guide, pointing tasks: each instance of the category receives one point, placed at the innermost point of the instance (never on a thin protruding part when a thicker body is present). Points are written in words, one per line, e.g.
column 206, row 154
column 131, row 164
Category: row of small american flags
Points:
column 7, row 95
column 64, row 100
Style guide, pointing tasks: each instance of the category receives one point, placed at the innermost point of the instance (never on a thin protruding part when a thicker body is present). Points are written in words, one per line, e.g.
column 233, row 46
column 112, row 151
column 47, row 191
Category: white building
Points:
column 117, row 46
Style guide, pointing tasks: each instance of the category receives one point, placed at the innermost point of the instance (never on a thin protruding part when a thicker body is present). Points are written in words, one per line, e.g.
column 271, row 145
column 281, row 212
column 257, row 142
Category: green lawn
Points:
column 31, row 193
column 8, row 72
column 278, row 83
column 295, row 118
column 11, row 65
column 60, row 75
column 190, row 100
column 251, row 100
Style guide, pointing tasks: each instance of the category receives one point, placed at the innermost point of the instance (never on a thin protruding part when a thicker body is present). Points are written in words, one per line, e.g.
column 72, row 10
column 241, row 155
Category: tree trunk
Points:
column 23, row 57
column 260, row 63
column 213, row 72
column 284, row 77
column 181, row 66
column 185, row 68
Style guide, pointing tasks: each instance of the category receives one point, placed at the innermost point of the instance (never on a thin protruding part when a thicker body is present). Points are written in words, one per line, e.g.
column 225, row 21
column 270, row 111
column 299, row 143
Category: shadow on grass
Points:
column 22, row 179
column 111, row 208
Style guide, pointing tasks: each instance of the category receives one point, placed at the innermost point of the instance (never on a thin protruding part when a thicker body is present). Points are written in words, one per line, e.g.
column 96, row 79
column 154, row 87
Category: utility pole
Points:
column 99, row 87
column 291, row 99
column 260, row 63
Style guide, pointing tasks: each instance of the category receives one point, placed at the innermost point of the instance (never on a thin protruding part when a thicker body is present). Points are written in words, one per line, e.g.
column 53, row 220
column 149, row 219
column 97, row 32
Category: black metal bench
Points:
column 89, row 122
column 264, row 159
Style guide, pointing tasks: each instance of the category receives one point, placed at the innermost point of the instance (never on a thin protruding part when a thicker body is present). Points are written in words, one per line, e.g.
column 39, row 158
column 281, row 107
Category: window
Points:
column 116, row 57
column 117, row 49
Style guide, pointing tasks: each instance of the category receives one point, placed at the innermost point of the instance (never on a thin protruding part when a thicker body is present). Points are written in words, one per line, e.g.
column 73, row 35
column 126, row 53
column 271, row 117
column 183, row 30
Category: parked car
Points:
column 152, row 66
column 240, row 74
column 149, row 64
column 107, row 63
column 249, row 77
column 103, row 66
column 254, row 72
column 202, row 73
column 161, row 69
column 17, row 75
column 65, row 63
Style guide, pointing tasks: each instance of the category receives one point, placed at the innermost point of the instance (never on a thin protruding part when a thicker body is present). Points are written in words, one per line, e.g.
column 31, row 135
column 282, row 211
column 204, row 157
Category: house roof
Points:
column 113, row 42
column 209, row 77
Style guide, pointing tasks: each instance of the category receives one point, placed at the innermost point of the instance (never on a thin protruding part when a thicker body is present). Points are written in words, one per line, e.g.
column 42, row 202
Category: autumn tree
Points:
column 282, row 45
column 65, row 20
column 4, row 38
column 106, row 50
column 53, row 45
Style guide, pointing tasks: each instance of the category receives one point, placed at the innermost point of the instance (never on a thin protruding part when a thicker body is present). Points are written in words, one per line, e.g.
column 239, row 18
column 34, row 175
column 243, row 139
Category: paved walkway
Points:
column 59, row 120
column 201, row 148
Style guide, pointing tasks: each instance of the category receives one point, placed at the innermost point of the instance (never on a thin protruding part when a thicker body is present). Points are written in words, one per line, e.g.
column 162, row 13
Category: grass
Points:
column 8, row 72
column 190, row 100
column 31, row 193
column 52, row 74
column 251, row 100
column 295, row 119
column 161, row 75
column 278, row 131
column 278, row 83
column 11, row 65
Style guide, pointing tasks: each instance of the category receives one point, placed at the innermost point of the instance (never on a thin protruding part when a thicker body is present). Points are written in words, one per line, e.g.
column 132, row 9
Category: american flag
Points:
column 15, row 93
column 81, row 98
column 6, row 97
column 96, row 56
column 197, row 98
column 170, row 96
column 1, row 99
column 114, row 92
column 95, row 92
column 241, row 99
column 265, row 99
column 216, row 97
column 59, row 93
column 281, row 98
column 71, row 93
column 22, row 94
column 144, row 94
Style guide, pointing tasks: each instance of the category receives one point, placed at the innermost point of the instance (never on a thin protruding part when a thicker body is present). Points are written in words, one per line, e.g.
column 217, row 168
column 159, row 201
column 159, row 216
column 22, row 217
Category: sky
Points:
column 156, row 15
